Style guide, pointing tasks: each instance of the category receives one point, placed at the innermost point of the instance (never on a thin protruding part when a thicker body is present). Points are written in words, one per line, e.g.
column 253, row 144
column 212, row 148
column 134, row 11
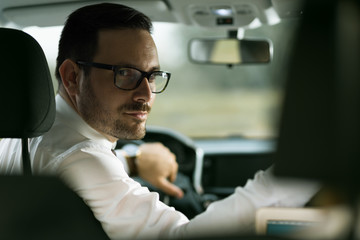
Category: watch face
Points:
column 132, row 150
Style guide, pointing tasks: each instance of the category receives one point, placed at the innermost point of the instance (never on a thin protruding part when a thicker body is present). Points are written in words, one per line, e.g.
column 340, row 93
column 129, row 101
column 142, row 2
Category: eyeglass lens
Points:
column 127, row 78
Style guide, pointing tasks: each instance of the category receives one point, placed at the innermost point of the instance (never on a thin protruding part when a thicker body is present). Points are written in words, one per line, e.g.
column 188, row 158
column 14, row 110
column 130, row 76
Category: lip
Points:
column 141, row 115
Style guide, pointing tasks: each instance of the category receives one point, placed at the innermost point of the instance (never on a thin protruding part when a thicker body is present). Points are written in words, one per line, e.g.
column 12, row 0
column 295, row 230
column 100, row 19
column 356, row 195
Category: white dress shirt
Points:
column 82, row 157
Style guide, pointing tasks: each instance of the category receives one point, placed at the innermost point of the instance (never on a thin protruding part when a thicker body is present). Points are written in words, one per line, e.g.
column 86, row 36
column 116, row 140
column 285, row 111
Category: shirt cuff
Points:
column 120, row 155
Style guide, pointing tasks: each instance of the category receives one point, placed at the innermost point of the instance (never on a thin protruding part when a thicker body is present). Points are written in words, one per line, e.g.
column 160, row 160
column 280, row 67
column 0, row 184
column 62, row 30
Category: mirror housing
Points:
column 230, row 51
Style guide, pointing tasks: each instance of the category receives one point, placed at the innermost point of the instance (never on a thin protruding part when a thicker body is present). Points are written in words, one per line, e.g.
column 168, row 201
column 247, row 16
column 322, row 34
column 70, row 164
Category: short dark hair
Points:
column 79, row 37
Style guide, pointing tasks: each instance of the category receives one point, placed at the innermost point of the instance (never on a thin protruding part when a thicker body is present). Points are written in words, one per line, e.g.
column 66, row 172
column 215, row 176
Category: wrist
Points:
column 131, row 153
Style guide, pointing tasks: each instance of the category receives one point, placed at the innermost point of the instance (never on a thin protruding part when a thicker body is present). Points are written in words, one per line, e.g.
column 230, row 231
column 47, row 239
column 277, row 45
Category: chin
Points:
column 128, row 131
column 132, row 134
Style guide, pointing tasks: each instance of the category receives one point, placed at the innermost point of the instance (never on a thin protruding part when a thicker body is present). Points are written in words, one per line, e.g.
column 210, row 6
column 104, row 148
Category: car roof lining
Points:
column 20, row 13
column 37, row 14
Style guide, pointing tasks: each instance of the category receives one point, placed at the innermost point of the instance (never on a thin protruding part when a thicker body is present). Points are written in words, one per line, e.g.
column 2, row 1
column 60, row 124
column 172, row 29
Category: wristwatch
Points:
column 132, row 152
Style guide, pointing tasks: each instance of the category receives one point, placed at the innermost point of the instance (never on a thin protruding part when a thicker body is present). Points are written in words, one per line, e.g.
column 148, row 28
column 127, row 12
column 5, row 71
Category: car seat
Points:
column 34, row 207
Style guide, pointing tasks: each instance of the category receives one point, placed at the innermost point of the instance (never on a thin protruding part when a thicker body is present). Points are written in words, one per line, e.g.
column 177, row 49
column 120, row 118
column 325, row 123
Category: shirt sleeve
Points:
column 236, row 213
column 125, row 209
column 121, row 157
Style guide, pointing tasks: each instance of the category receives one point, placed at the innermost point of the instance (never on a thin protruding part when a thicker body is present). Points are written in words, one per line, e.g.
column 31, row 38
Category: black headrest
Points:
column 319, row 134
column 27, row 102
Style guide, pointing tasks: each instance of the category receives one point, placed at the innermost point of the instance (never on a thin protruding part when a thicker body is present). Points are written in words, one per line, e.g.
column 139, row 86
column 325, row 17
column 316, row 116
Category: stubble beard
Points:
column 111, row 124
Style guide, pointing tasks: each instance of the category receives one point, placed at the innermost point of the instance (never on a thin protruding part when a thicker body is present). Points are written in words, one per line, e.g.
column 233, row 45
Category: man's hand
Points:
column 157, row 165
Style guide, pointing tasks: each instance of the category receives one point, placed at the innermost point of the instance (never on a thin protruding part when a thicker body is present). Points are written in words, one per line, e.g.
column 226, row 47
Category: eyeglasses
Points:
column 128, row 78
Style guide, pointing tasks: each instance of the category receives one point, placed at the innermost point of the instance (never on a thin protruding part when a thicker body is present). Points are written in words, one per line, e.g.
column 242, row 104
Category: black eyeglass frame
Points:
column 115, row 69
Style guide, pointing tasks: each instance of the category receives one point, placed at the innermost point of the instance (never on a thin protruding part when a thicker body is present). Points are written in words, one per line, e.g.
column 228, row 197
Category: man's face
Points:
column 118, row 113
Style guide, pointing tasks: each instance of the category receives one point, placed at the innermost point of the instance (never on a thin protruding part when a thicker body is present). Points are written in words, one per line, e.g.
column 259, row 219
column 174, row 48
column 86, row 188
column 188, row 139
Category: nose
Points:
column 143, row 92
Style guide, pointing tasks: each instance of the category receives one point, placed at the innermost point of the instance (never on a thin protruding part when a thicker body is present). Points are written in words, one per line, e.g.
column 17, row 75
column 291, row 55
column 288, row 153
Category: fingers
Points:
column 173, row 172
column 170, row 189
column 157, row 165
column 165, row 184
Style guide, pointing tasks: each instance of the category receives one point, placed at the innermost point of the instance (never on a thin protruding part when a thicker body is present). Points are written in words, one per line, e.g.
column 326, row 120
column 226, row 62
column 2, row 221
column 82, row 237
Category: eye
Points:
column 152, row 77
column 125, row 72
column 128, row 74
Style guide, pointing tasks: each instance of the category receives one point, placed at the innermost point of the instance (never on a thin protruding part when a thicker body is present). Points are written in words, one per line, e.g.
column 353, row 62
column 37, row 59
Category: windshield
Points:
column 208, row 100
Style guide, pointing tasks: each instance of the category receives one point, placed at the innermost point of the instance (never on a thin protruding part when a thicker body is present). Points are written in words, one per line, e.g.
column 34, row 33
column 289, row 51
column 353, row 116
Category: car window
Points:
column 209, row 100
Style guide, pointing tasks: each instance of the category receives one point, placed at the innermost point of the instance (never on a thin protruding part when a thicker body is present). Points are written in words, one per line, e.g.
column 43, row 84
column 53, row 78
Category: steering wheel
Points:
column 186, row 155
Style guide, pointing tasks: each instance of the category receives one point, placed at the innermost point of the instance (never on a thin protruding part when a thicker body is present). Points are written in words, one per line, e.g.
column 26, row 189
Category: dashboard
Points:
column 228, row 163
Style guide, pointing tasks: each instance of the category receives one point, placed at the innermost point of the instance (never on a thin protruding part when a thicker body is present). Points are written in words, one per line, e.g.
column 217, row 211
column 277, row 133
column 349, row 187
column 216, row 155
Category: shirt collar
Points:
column 68, row 116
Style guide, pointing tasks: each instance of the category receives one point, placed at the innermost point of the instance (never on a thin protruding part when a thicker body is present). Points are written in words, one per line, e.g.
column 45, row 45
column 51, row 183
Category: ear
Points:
column 69, row 72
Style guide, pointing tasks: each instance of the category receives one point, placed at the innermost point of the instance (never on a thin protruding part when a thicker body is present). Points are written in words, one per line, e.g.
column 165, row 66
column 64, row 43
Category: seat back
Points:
column 34, row 207
column 319, row 134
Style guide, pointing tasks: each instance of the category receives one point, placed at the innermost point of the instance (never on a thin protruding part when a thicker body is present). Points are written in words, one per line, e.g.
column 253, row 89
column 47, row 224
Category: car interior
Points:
column 285, row 92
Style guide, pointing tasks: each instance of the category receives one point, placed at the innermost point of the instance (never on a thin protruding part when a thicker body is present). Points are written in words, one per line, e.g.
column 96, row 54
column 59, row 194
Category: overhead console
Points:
column 234, row 13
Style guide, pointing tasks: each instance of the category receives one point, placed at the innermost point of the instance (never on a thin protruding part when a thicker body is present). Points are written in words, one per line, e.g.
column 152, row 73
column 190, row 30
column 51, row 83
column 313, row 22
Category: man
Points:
column 109, row 73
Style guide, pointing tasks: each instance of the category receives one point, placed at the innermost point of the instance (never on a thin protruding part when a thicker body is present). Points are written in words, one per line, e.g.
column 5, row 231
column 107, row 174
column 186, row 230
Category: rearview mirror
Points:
column 230, row 51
